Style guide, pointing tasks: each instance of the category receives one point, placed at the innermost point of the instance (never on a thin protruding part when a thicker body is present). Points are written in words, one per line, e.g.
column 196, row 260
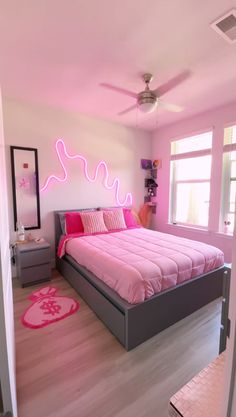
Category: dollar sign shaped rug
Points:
column 47, row 308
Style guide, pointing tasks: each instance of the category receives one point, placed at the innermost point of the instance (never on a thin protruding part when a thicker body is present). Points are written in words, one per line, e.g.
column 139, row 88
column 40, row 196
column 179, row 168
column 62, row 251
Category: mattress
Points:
column 138, row 263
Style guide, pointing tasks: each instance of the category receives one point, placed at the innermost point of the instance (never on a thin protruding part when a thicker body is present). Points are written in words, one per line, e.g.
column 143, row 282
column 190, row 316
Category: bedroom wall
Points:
column 215, row 119
column 7, row 337
column 120, row 147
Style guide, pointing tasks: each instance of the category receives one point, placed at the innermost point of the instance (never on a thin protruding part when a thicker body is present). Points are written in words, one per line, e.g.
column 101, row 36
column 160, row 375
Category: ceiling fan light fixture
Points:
column 147, row 101
column 147, row 107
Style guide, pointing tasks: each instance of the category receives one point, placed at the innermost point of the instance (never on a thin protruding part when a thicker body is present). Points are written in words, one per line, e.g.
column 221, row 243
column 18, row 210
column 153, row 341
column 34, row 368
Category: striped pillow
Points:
column 114, row 219
column 93, row 222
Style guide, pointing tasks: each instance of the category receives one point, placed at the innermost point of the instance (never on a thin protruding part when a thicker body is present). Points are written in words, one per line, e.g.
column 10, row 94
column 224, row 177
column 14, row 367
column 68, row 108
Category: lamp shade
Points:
column 147, row 106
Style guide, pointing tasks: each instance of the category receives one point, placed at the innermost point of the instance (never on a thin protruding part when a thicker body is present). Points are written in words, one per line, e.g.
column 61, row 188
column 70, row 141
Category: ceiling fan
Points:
column 147, row 100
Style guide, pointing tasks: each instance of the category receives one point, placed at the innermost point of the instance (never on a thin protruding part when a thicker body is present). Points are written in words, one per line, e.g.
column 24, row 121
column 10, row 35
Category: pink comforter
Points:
column 138, row 263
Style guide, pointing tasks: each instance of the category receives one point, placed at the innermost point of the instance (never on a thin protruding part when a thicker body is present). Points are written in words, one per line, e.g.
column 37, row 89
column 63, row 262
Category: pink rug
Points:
column 48, row 308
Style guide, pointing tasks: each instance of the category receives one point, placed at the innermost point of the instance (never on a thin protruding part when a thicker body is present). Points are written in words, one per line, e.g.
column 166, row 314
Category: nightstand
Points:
column 33, row 262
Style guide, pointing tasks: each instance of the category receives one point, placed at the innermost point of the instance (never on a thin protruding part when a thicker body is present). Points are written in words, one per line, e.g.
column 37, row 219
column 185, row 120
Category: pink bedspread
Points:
column 138, row 263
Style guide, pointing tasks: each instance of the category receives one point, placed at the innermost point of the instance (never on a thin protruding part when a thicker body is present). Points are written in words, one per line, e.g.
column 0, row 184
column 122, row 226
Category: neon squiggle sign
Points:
column 61, row 150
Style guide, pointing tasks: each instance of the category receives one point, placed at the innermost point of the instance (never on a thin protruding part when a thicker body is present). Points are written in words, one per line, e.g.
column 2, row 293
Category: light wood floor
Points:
column 76, row 368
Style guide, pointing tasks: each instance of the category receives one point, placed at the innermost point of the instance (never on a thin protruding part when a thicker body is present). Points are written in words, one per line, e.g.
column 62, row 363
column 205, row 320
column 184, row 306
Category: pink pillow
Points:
column 93, row 222
column 129, row 218
column 73, row 223
column 114, row 219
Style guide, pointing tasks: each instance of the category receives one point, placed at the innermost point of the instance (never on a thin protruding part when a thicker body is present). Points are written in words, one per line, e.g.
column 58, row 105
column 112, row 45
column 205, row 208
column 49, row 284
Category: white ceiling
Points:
column 58, row 52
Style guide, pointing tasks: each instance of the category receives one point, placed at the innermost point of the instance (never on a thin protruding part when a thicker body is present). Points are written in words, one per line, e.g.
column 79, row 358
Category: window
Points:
column 228, row 181
column 190, row 180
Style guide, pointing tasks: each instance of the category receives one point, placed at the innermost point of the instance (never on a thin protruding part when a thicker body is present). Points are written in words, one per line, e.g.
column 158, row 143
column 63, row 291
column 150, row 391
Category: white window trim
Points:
column 189, row 227
column 192, row 181
column 216, row 222
column 174, row 183
column 193, row 154
column 226, row 176
column 193, row 133
column 199, row 230
column 230, row 147
column 225, row 189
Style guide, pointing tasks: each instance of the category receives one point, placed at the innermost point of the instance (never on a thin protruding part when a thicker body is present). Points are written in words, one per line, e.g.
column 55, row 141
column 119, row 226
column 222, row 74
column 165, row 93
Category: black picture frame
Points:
column 12, row 155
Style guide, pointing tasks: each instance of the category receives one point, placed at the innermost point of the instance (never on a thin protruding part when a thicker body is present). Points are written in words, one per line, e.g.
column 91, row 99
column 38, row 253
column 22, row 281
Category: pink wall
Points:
column 38, row 126
column 215, row 119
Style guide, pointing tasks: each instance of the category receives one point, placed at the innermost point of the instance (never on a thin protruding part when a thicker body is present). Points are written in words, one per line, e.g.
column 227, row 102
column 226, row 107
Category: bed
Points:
column 136, row 319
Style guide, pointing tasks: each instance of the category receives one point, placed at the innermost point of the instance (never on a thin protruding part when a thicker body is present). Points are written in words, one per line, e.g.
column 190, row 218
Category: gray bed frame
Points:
column 132, row 324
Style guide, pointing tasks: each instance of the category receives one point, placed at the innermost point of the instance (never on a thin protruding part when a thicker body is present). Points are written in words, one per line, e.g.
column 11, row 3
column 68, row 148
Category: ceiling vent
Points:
column 226, row 26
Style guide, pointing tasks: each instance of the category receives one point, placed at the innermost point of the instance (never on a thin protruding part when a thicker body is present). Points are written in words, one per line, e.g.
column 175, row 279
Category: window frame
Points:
column 174, row 182
column 226, row 181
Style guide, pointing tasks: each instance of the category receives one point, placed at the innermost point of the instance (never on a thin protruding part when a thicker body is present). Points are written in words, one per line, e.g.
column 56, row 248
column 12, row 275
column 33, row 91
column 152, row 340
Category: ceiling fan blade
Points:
column 170, row 107
column 172, row 83
column 119, row 90
column 127, row 110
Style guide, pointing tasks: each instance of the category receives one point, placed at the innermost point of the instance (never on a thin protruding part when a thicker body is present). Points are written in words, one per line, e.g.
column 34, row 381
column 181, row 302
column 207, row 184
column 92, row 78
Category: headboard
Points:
column 58, row 231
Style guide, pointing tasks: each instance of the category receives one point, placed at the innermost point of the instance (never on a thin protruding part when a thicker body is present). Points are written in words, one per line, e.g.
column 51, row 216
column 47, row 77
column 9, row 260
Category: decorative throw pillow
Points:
column 130, row 220
column 73, row 223
column 93, row 222
column 114, row 219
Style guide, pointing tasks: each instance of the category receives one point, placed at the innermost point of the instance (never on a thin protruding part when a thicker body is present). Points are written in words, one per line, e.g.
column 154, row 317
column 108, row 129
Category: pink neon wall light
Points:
column 61, row 151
